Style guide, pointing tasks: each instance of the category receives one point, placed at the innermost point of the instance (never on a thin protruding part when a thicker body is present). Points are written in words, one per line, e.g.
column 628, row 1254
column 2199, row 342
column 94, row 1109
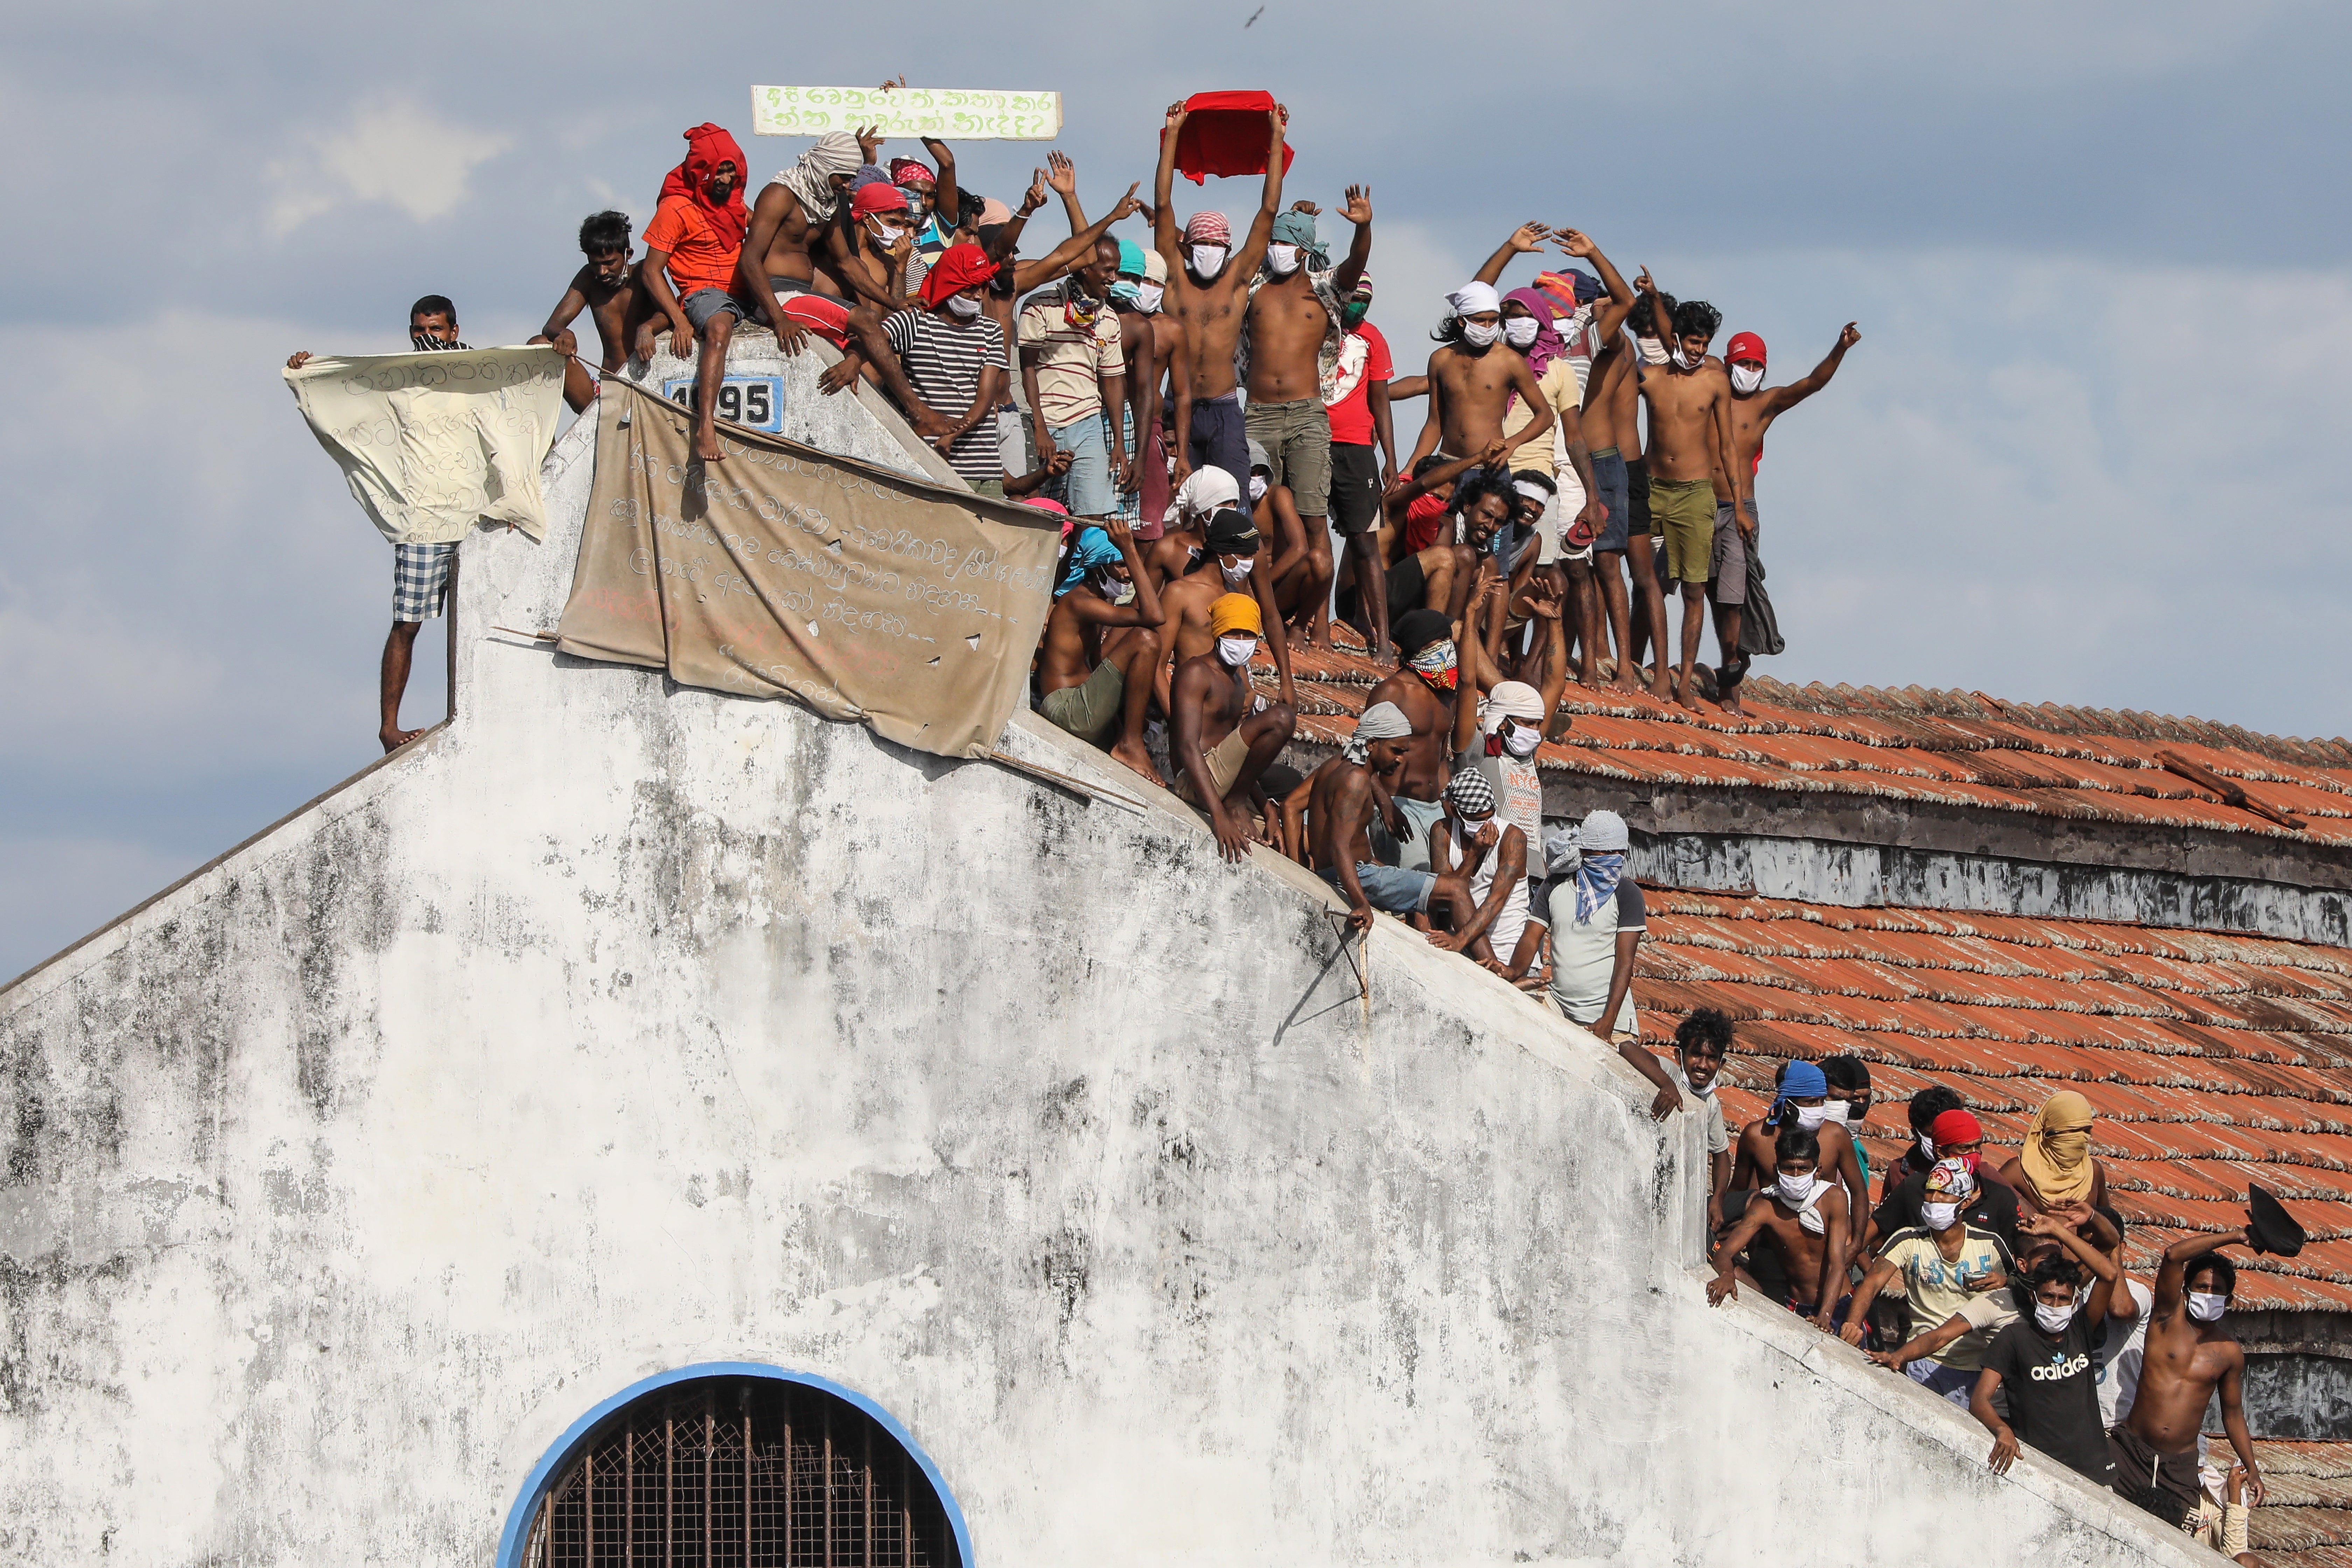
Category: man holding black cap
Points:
column 2190, row 1355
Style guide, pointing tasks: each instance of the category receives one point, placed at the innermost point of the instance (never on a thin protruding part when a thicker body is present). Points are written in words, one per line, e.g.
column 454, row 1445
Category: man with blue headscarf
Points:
column 1801, row 1101
column 1597, row 920
column 1105, row 598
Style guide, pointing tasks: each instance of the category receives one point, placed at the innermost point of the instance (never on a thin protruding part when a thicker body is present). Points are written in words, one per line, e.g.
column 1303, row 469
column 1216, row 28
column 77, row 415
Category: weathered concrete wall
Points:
column 616, row 1028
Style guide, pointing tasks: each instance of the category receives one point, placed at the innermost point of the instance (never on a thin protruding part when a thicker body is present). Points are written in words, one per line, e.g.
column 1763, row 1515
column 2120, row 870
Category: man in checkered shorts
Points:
column 421, row 574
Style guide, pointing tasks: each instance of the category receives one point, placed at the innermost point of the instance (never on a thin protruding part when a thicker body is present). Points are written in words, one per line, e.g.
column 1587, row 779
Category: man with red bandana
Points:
column 692, row 243
column 1754, row 406
column 951, row 356
column 1955, row 1135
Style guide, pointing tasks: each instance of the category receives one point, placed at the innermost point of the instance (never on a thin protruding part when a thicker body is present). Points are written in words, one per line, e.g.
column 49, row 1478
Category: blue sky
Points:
column 2086, row 452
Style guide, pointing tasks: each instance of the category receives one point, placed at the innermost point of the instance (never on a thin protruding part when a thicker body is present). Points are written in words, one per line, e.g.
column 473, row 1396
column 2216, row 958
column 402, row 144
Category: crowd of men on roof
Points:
column 1214, row 420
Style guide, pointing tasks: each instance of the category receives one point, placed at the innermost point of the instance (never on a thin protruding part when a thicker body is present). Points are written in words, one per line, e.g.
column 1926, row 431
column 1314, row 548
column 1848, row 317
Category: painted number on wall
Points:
column 754, row 400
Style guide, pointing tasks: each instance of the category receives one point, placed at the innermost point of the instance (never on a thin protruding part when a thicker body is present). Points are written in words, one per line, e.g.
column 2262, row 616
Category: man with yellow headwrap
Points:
column 1223, row 734
column 2054, row 1168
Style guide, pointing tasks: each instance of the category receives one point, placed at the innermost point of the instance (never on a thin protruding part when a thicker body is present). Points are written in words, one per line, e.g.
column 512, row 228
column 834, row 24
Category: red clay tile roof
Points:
column 1960, row 749
column 2306, row 1521
column 2209, row 1057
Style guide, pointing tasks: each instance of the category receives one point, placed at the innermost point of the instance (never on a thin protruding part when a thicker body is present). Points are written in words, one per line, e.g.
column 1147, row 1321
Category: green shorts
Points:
column 1090, row 710
column 1684, row 510
column 1298, row 441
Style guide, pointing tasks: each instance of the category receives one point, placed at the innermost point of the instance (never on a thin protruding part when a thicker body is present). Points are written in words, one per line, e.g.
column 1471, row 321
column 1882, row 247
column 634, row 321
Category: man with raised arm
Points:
column 1208, row 281
column 777, row 271
column 1102, row 646
column 1293, row 333
column 2188, row 1356
column 1612, row 426
column 1690, row 440
column 606, row 287
column 1754, row 406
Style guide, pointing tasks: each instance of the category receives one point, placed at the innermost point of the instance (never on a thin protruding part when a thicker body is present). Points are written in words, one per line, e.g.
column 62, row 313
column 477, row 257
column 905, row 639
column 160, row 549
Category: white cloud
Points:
column 394, row 150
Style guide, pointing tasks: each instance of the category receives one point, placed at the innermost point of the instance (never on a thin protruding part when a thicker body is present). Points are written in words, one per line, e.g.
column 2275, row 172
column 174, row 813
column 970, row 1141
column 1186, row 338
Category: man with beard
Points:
column 1470, row 385
column 607, row 289
column 1207, row 295
column 1754, row 406
column 1292, row 338
column 1689, row 399
column 1222, row 734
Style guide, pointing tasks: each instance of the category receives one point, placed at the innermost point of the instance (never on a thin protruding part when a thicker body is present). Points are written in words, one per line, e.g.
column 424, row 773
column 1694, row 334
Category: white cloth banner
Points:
column 950, row 115
column 432, row 443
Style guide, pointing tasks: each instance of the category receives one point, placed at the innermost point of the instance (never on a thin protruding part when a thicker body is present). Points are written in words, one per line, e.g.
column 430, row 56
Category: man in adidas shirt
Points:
column 2045, row 1360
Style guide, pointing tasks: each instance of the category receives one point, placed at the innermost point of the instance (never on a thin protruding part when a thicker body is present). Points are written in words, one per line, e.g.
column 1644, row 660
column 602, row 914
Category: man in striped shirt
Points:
column 953, row 356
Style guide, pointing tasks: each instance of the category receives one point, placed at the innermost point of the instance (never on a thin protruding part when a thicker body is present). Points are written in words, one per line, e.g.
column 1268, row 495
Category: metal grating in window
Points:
column 728, row 1473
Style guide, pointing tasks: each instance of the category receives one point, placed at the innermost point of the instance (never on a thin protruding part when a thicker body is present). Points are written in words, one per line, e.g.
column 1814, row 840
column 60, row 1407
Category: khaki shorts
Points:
column 1091, row 708
column 1298, row 441
column 1225, row 760
column 1684, row 510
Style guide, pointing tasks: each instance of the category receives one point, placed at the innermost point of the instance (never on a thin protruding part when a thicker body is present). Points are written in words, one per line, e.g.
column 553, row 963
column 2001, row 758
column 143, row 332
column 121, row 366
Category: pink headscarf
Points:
column 1548, row 344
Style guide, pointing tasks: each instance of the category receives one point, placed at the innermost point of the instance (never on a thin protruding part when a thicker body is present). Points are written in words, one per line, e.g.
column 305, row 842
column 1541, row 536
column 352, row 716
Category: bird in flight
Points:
column 1253, row 17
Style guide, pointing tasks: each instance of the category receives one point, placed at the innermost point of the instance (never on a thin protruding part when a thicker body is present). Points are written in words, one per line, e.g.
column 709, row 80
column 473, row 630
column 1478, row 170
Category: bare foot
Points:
column 394, row 739
column 1132, row 753
column 1729, row 703
column 705, row 445
column 1624, row 680
column 1381, row 653
column 1686, row 691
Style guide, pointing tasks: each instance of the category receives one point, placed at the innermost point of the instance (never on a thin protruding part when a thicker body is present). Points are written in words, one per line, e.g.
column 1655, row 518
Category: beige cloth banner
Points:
column 951, row 114
column 781, row 569
column 432, row 443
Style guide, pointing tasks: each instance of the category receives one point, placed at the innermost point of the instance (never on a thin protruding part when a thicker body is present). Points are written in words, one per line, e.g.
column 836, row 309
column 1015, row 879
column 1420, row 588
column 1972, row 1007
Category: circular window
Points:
column 740, row 1473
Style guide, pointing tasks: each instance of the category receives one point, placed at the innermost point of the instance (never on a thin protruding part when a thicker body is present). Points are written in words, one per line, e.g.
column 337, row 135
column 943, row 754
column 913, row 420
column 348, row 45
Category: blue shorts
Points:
column 705, row 303
column 1609, row 479
column 1388, row 888
column 1411, row 852
column 1085, row 489
column 1950, row 1382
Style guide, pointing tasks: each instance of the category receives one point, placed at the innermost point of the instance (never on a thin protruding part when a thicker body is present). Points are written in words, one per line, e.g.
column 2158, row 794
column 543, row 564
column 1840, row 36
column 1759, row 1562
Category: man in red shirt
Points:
column 1357, row 397
column 695, row 238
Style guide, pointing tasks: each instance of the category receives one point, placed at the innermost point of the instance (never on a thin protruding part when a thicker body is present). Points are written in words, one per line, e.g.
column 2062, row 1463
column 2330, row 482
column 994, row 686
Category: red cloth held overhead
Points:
column 1224, row 135
column 707, row 147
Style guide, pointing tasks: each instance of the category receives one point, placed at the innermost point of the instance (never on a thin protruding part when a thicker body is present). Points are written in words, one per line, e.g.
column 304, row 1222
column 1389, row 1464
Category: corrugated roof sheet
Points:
column 2211, row 1058
column 1954, row 748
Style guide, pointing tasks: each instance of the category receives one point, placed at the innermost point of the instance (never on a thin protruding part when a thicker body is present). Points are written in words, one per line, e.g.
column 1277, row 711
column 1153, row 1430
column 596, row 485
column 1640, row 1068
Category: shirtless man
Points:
column 1137, row 498
column 1615, row 387
column 1802, row 1104
column 1222, row 734
column 1230, row 550
column 608, row 288
column 1805, row 1216
column 1345, row 797
column 777, row 271
column 1754, row 406
column 1422, row 689
column 2189, row 1354
column 1613, row 433
column 1096, row 666
column 1416, row 532
column 1690, row 435
column 1294, row 333
column 1207, row 294
column 1171, row 366
column 1471, row 379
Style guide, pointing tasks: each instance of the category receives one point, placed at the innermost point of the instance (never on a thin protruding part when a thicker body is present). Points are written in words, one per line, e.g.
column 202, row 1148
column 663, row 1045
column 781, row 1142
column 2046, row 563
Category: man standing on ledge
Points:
column 421, row 574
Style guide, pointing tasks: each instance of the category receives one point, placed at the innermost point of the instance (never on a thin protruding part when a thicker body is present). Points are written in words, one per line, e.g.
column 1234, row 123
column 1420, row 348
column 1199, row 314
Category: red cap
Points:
column 1743, row 345
column 1954, row 1127
column 876, row 197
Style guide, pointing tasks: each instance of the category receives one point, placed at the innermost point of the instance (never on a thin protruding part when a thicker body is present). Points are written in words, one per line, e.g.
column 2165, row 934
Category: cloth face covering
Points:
column 1481, row 334
column 1205, row 261
column 1519, row 741
column 835, row 152
column 1652, row 351
column 708, row 146
column 1235, row 651
column 2053, row 1320
column 1803, row 1080
column 1282, row 260
column 1147, row 296
column 1596, row 883
column 1938, row 1216
column 2057, row 1151
column 1747, row 378
column 2206, row 1307
column 1519, row 331
column 1381, row 721
column 963, row 307
column 1434, row 663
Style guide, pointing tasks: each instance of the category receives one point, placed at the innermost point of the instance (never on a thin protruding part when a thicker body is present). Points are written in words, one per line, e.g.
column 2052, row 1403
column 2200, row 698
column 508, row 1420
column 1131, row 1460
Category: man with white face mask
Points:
column 1802, row 1102
column 1292, row 337
column 1472, row 378
column 1224, row 733
column 2045, row 1361
column 2189, row 1355
column 1803, row 1219
column 1233, row 553
column 1944, row 1264
column 1754, row 406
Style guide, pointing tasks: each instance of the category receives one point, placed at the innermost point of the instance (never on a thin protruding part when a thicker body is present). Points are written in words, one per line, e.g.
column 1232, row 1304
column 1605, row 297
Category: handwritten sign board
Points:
column 782, row 571
column 952, row 115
